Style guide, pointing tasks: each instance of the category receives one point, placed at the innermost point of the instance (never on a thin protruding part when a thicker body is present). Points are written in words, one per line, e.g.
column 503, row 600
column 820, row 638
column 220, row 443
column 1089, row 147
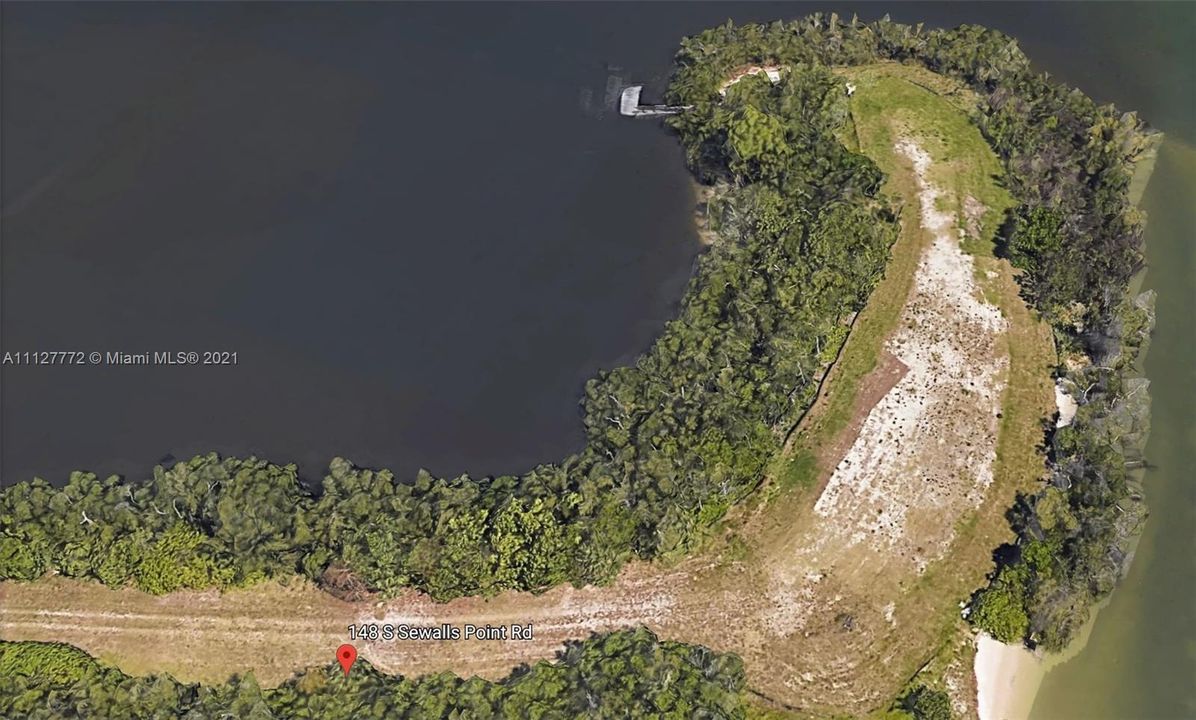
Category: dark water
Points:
column 421, row 236
column 404, row 219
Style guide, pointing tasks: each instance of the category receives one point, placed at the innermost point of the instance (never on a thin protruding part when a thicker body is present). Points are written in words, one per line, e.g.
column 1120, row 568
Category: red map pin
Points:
column 345, row 655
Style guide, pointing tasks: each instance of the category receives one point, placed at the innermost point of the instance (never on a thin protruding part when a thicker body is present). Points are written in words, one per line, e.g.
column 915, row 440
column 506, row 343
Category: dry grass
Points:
column 270, row 629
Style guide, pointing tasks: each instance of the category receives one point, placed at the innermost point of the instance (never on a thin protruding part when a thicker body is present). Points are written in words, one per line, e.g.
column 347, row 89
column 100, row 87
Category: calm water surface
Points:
column 422, row 229
column 418, row 227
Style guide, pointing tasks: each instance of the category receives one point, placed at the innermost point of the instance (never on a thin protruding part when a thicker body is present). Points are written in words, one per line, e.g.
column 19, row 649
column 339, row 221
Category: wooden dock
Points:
column 629, row 105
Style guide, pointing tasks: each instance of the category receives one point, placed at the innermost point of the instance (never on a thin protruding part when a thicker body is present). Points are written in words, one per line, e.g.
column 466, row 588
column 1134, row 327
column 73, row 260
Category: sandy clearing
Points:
column 923, row 458
column 772, row 71
column 1066, row 403
column 947, row 401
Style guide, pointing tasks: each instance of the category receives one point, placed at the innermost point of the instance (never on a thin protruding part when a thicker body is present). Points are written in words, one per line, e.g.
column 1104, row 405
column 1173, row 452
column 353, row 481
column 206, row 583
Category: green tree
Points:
column 176, row 560
column 1000, row 608
column 926, row 704
column 758, row 143
column 19, row 560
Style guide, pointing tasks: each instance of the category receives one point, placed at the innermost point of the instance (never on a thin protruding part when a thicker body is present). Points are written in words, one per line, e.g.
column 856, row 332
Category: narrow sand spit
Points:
column 1007, row 678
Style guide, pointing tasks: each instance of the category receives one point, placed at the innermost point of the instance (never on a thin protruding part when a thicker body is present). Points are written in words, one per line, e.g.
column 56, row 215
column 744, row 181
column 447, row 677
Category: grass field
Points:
column 846, row 641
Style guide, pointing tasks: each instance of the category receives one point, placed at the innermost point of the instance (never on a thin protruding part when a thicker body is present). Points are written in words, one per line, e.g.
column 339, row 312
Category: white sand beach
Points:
column 1007, row 678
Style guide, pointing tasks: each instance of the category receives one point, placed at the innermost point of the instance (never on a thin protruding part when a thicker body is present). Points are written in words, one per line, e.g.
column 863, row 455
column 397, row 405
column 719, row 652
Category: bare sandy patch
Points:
column 926, row 450
column 1066, row 403
column 919, row 462
column 922, row 459
column 773, row 72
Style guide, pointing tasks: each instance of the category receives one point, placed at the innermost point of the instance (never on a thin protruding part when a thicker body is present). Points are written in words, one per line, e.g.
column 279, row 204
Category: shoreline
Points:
column 1007, row 679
